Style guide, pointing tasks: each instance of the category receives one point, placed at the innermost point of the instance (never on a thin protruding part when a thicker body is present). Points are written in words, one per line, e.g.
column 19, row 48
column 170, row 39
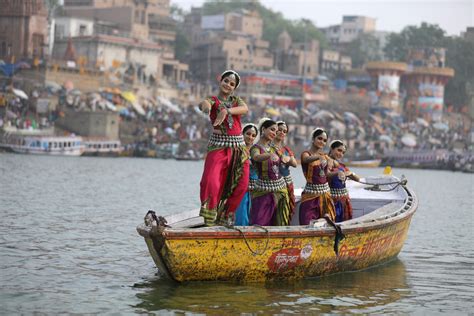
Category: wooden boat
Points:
column 184, row 250
column 370, row 163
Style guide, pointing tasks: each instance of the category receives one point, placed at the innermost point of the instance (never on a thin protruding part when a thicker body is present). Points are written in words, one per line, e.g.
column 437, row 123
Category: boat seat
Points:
column 384, row 212
column 185, row 220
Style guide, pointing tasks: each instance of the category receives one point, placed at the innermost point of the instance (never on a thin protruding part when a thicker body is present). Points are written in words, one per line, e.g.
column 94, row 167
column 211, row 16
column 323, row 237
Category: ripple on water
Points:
column 68, row 235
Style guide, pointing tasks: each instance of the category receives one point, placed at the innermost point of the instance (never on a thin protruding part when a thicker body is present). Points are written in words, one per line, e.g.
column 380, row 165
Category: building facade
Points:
column 351, row 27
column 300, row 59
column 231, row 40
column 333, row 62
column 140, row 33
column 23, row 29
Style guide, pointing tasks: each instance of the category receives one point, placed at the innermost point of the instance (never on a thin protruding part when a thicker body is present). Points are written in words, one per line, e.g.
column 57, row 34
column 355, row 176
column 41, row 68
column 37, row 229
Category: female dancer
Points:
column 270, row 199
column 316, row 201
column 337, row 182
column 242, row 214
column 285, row 167
column 226, row 169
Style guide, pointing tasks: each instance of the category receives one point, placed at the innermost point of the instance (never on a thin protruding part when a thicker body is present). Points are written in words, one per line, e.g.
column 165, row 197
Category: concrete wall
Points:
column 85, row 82
column 106, row 52
column 66, row 27
column 122, row 16
column 91, row 124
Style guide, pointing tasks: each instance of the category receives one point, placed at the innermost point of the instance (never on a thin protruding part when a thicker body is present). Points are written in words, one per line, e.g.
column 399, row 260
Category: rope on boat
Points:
column 339, row 234
column 376, row 186
column 254, row 252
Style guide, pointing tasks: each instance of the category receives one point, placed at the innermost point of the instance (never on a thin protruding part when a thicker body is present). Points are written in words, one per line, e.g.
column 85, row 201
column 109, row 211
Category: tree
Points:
column 427, row 35
column 181, row 45
column 363, row 49
column 177, row 13
column 459, row 56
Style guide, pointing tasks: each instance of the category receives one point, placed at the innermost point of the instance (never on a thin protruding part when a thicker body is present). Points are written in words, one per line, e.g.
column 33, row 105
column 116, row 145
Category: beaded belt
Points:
column 288, row 179
column 252, row 183
column 339, row 192
column 270, row 185
column 312, row 188
column 218, row 140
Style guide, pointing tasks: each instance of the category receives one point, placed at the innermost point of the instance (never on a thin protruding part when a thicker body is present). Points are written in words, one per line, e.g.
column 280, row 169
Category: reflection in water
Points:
column 364, row 291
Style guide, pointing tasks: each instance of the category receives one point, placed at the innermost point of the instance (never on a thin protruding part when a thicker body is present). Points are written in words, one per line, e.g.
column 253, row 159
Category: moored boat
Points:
column 102, row 147
column 184, row 250
column 36, row 142
column 370, row 163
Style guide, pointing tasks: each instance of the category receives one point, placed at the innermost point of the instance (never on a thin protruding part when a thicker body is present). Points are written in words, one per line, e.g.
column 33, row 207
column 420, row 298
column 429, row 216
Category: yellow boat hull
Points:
column 292, row 252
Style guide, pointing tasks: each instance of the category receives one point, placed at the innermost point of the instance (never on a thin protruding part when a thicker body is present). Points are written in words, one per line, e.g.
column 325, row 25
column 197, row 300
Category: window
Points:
column 59, row 31
column 82, row 30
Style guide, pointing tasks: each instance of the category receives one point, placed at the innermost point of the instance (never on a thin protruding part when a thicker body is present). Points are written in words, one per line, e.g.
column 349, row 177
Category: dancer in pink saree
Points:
column 226, row 169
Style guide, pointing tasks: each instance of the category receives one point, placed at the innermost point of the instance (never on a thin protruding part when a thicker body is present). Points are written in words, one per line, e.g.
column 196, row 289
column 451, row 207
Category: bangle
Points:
column 228, row 111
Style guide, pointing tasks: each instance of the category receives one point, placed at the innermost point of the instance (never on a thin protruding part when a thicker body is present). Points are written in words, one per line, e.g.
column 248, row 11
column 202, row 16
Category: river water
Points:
column 68, row 244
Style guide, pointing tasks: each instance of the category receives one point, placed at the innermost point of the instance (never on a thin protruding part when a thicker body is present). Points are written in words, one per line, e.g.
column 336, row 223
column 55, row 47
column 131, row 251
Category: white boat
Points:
column 34, row 142
column 102, row 147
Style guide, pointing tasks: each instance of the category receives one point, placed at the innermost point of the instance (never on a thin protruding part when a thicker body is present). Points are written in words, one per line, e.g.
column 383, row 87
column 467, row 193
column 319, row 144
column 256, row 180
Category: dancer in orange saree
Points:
column 226, row 169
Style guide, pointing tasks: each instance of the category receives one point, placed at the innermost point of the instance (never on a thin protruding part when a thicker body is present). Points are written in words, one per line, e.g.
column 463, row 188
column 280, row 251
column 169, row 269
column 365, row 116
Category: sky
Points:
column 453, row 16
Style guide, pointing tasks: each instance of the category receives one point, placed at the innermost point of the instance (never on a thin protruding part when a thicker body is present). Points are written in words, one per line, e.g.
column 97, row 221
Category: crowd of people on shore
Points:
column 246, row 178
column 372, row 135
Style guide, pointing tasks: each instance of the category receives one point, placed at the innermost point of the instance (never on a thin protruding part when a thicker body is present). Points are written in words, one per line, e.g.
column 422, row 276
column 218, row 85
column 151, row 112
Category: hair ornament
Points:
column 233, row 75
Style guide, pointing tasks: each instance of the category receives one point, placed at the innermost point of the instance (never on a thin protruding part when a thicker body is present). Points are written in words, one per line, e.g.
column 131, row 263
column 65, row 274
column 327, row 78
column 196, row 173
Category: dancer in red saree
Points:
column 226, row 169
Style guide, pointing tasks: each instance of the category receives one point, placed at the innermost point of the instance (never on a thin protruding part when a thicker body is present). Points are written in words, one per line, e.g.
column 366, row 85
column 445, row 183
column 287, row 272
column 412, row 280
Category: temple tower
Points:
column 425, row 82
column 387, row 76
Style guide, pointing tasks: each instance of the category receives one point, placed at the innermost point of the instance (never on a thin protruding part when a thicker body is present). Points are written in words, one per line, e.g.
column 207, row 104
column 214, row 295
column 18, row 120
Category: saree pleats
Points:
column 223, row 184
column 314, row 206
column 270, row 208
column 343, row 208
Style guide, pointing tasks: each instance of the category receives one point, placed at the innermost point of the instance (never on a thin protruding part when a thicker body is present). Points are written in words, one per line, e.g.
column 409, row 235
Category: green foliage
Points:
column 460, row 57
column 364, row 49
column 177, row 13
column 426, row 35
column 274, row 23
column 181, row 46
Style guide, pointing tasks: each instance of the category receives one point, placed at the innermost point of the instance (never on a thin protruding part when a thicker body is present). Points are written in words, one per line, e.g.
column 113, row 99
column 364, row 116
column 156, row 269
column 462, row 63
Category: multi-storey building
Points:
column 333, row 62
column 139, row 32
column 96, row 44
column 468, row 34
column 231, row 40
column 301, row 59
column 352, row 27
column 23, row 29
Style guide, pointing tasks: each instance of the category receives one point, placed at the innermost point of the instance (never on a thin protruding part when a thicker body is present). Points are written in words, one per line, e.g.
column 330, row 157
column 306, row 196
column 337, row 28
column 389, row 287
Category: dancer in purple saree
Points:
column 270, row 198
column 316, row 200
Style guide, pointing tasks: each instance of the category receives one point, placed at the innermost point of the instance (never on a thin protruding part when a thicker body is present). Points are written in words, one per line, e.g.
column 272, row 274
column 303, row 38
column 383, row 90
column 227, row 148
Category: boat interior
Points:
column 374, row 199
